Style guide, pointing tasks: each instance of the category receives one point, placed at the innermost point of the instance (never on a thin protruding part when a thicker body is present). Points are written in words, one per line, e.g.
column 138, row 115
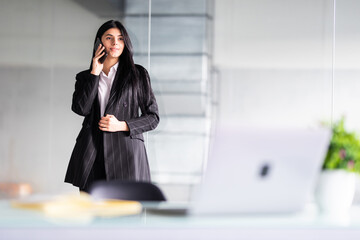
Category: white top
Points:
column 105, row 84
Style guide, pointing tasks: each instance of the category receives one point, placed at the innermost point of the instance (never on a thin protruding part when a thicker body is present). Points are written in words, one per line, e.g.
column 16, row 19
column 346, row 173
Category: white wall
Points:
column 273, row 34
column 275, row 60
column 45, row 33
column 347, row 63
column 43, row 45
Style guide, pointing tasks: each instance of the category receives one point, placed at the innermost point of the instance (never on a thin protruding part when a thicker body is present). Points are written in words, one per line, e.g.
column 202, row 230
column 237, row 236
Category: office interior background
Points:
column 260, row 63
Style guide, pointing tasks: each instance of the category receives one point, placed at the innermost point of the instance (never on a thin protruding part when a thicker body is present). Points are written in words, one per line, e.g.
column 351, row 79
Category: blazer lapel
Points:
column 116, row 88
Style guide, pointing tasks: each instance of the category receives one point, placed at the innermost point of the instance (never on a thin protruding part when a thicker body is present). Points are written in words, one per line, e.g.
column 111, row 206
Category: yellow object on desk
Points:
column 79, row 207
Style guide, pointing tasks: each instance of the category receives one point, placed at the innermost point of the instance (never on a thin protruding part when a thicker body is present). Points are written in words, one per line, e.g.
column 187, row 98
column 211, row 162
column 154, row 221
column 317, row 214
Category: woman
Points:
column 109, row 95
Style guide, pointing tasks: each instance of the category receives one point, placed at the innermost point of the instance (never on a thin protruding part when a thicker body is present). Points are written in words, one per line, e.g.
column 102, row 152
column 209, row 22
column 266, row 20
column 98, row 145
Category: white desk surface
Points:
column 308, row 224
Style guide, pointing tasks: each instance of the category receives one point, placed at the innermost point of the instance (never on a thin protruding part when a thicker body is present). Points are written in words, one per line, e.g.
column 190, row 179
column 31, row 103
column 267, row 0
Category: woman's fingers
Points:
column 106, row 118
column 103, row 126
column 99, row 55
column 99, row 49
column 104, row 122
column 109, row 123
column 96, row 65
column 99, row 52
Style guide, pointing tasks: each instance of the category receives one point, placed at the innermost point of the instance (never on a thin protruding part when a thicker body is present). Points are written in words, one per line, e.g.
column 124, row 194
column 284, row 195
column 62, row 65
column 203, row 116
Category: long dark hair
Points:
column 126, row 66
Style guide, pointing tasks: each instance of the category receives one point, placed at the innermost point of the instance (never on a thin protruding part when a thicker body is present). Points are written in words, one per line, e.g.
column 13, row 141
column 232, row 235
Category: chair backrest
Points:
column 126, row 190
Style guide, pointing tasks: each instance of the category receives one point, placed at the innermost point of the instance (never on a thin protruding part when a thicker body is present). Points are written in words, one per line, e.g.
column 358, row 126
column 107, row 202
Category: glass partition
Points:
column 180, row 68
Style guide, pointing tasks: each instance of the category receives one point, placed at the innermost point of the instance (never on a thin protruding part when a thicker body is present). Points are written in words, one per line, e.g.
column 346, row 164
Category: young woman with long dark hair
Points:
column 109, row 95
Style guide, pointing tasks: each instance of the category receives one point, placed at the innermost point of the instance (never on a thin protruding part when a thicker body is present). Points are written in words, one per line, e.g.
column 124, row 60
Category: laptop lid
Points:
column 261, row 170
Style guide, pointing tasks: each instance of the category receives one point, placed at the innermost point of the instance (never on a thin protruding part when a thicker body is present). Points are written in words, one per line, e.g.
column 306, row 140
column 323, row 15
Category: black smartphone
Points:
column 97, row 43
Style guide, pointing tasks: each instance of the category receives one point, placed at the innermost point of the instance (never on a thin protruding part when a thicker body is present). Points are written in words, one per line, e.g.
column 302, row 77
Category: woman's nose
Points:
column 115, row 42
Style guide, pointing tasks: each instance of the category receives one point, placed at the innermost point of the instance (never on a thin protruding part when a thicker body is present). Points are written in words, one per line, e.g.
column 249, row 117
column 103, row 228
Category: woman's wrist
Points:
column 95, row 73
column 124, row 126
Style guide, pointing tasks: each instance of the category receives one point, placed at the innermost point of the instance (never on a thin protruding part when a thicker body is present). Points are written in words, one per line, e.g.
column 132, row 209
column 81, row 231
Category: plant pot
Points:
column 335, row 191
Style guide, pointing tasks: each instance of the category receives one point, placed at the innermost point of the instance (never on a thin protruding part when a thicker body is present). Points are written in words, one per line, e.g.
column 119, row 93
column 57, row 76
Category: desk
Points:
column 27, row 224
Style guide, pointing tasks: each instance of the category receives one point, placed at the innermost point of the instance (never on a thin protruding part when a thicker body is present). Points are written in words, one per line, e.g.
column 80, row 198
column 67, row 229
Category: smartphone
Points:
column 97, row 43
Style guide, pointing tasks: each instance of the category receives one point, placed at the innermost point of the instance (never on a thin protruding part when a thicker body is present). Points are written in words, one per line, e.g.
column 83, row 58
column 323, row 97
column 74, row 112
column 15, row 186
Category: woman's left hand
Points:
column 110, row 123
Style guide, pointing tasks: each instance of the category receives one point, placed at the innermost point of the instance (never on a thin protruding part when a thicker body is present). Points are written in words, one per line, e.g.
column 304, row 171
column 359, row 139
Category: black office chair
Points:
column 126, row 190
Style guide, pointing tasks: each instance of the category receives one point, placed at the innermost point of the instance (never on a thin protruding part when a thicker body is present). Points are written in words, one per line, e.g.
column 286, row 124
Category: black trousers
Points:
column 98, row 169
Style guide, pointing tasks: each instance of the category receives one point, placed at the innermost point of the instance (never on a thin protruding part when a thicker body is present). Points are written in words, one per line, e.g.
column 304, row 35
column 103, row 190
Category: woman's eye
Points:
column 108, row 38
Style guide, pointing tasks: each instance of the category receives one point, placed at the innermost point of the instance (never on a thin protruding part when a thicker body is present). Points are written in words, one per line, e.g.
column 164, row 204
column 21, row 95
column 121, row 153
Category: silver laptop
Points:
column 259, row 171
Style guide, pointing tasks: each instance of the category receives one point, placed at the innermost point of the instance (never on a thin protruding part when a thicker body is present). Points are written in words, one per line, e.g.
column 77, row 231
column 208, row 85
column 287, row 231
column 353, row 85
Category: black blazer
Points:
column 124, row 152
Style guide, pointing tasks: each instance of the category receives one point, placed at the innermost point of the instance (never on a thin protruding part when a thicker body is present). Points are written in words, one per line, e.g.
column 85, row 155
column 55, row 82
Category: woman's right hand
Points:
column 96, row 65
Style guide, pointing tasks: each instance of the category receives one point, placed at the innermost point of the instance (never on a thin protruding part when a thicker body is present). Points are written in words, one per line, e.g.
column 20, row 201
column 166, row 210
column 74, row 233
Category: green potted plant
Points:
column 336, row 187
column 344, row 150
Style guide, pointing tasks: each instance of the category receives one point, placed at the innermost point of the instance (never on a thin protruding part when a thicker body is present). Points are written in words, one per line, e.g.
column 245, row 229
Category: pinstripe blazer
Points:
column 124, row 152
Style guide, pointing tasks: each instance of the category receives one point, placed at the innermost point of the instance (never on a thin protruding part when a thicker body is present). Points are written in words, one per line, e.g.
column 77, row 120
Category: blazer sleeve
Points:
column 149, row 118
column 86, row 88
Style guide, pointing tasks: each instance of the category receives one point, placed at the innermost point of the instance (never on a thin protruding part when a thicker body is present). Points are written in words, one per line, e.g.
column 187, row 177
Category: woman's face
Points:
column 113, row 42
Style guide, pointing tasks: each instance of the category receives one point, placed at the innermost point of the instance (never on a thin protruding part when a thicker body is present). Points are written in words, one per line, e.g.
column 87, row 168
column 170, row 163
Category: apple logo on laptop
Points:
column 264, row 170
